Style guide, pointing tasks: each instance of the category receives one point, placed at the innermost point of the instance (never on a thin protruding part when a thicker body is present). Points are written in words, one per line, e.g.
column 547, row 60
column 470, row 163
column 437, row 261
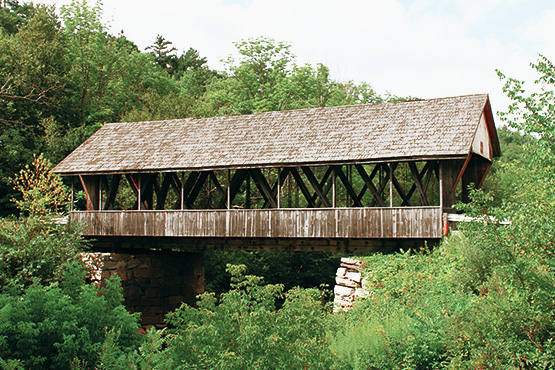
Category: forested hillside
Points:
column 483, row 298
column 63, row 78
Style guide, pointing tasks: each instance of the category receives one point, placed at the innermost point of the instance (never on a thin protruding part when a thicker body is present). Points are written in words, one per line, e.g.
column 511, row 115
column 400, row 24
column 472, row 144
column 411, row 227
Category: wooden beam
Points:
column 276, row 188
column 91, row 186
column 326, row 189
column 399, row 188
column 216, row 182
column 147, row 190
column 316, row 185
column 449, row 173
column 263, row 186
column 162, row 192
column 383, row 182
column 303, row 187
column 112, row 192
column 234, row 187
column 192, row 197
column 354, row 196
column 422, row 198
column 369, row 185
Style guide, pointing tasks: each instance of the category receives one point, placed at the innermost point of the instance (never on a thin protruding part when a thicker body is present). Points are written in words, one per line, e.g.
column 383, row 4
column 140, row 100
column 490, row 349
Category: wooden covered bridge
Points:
column 352, row 178
column 337, row 178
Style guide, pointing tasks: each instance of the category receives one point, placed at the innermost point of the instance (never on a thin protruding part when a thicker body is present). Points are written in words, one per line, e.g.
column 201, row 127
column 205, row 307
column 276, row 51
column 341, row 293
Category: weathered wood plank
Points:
column 355, row 223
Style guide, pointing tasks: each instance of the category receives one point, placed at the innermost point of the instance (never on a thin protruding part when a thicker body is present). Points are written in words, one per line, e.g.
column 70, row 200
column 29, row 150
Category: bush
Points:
column 36, row 250
column 64, row 324
column 244, row 329
column 400, row 324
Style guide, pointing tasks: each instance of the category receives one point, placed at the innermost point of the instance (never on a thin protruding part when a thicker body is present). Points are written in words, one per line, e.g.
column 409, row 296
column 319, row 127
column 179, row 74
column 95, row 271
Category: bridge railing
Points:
column 390, row 222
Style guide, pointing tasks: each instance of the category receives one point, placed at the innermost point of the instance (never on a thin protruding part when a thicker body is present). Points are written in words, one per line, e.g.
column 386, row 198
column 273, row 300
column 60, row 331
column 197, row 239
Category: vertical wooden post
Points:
column 440, row 184
column 100, row 192
column 333, row 187
column 72, row 191
column 390, row 185
column 450, row 172
column 182, row 184
column 278, row 192
column 228, row 192
column 139, row 193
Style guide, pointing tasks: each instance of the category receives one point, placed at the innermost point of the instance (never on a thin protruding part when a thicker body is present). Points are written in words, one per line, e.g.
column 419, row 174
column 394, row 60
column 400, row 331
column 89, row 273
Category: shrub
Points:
column 36, row 250
column 63, row 324
column 244, row 329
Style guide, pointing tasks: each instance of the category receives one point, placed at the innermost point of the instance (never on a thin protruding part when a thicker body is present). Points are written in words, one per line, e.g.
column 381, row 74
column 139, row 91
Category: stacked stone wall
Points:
column 349, row 284
column 155, row 284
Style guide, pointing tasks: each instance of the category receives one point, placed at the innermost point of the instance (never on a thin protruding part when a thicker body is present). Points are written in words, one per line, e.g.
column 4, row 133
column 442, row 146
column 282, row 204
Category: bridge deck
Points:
column 350, row 223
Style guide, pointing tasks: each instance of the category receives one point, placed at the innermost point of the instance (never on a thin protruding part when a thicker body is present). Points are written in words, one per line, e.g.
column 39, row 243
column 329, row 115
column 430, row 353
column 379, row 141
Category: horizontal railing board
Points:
column 400, row 222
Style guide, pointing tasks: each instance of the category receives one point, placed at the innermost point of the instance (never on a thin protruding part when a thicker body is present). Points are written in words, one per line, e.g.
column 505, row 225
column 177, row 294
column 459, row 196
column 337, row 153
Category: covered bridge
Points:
column 336, row 178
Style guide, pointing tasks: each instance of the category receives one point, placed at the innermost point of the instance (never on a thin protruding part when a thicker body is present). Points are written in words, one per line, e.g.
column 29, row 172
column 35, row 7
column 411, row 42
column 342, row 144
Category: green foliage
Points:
column 36, row 250
column 244, row 329
column 32, row 76
column 484, row 298
column 63, row 325
column 533, row 113
column 249, row 327
column 291, row 269
column 42, row 191
column 399, row 326
column 265, row 78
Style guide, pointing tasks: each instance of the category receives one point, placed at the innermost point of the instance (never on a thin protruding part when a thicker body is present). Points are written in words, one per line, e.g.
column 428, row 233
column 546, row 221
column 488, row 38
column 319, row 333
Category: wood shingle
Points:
column 436, row 128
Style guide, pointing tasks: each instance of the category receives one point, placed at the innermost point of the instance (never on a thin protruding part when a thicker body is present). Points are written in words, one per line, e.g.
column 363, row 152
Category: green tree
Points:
column 42, row 191
column 164, row 56
column 265, row 77
column 33, row 65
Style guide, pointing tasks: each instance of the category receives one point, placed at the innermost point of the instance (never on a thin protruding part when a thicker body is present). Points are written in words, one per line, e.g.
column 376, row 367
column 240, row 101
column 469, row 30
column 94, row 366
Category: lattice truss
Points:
column 354, row 185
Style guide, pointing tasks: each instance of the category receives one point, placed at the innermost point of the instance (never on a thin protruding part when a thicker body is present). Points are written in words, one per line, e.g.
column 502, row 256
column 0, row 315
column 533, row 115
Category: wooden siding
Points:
column 386, row 223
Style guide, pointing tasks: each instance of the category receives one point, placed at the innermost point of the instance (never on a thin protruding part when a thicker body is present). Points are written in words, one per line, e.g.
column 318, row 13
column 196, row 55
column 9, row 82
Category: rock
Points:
column 343, row 291
column 346, row 282
column 354, row 276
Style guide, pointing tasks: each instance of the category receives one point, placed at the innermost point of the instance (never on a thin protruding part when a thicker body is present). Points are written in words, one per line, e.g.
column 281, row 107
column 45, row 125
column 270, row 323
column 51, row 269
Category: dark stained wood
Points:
column 369, row 185
column 112, row 192
column 417, row 178
column 147, row 182
column 263, row 186
column 354, row 196
column 235, row 185
column 477, row 167
column 383, row 182
column 129, row 244
column 400, row 222
column 162, row 193
column 218, row 186
column 450, row 170
column 91, row 186
column 326, row 189
column 192, row 196
column 316, row 186
column 304, row 189
column 283, row 174
column 398, row 187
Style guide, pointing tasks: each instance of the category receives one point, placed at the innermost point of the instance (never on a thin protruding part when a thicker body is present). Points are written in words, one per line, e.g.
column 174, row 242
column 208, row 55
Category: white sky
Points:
column 421, row 48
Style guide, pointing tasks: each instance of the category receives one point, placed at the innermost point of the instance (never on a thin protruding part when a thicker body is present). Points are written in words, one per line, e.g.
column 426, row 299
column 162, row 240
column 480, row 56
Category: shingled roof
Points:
column 426, row 129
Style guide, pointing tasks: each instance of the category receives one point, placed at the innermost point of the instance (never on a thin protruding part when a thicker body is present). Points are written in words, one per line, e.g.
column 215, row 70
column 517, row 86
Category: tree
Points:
column 42, row 191
column 265, row 78
column 33, row 66
column 163, row 54
column 533, row 113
